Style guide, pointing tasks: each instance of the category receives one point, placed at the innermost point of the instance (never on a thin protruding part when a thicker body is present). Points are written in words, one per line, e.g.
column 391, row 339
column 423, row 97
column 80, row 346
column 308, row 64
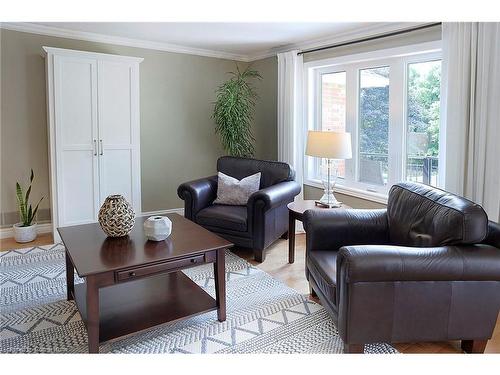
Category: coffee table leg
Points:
column 220, row 284
column 70, row 278
column 92, row 314
column 291, row 237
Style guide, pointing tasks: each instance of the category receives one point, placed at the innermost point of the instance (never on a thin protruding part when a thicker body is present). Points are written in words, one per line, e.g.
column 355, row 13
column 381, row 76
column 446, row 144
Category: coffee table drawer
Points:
column 136, row 272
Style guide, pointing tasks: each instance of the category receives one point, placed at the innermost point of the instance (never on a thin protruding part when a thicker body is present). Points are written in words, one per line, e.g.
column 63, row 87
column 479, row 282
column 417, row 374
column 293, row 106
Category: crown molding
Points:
column 31, row 28
column 359, row 32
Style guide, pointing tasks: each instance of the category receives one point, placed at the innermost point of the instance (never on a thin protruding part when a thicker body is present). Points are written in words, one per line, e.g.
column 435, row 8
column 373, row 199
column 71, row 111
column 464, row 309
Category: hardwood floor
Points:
column 276, row 264
column 11, row 244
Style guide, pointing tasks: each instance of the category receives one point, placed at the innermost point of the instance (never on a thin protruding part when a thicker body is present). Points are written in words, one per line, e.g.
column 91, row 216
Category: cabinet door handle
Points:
column 95, row 147
column 102, row 151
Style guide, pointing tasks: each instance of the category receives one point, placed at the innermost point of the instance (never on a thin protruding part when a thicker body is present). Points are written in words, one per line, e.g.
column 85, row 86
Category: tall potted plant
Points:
column 233, row 112
column 25, row 231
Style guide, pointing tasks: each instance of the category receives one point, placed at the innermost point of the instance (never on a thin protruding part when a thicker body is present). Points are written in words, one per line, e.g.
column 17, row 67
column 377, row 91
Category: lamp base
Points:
column 328, row 201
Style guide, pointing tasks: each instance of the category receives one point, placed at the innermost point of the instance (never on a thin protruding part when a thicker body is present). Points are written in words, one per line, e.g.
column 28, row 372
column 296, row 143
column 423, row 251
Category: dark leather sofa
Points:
column 427, row 268
column 258, row 224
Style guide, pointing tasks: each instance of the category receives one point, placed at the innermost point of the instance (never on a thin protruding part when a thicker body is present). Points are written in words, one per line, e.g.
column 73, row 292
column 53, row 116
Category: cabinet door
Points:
column 119, row 137
column 75, row 98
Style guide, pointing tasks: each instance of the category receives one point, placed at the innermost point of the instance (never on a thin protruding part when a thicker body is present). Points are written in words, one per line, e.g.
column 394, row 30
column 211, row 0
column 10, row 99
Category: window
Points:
column 390, row 105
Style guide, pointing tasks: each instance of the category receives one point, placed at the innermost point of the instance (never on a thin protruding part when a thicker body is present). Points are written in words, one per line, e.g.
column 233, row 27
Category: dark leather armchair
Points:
column 258, row 224
column 427, row 268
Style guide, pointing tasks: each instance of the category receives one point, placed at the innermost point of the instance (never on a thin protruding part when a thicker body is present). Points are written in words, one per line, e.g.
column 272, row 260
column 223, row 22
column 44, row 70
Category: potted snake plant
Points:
column 25, row 231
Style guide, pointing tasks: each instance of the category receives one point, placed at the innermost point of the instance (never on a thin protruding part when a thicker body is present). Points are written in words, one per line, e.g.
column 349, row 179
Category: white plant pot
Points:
column 24, row 234
column 157, row 228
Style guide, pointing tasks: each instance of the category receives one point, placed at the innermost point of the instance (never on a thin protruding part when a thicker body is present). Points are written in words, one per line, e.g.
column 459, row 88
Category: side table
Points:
column 296, row 212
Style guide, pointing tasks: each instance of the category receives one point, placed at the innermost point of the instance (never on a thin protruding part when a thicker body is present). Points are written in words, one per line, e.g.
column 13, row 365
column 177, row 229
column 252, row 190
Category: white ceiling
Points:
column 241, row 41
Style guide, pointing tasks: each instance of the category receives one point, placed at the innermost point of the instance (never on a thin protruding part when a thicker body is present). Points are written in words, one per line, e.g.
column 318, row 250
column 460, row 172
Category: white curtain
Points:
column 471, row 79
column 290, row 113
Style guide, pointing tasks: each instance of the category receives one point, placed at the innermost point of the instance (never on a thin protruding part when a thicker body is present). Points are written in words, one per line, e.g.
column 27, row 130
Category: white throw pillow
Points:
column 236, row 192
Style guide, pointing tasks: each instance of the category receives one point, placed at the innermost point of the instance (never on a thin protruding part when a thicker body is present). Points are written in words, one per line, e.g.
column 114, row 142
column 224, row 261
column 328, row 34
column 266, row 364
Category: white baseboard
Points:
column 41, row 228
column 47, row 227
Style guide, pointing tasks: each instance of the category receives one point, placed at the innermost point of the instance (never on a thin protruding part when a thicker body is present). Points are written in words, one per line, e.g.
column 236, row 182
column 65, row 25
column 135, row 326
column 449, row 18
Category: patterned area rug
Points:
column 264, row 315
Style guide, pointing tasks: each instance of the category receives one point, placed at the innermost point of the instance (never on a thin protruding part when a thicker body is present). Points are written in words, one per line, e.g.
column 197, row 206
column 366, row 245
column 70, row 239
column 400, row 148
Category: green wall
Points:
column 177, row 92
column 266, row 112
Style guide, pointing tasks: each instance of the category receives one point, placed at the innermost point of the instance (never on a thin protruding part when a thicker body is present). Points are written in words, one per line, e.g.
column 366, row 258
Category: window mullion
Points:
column 352, row 121
column 318, row 119
column 396, row 121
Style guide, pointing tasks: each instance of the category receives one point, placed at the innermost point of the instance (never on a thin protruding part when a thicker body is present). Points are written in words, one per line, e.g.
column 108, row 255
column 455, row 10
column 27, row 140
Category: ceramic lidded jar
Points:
column 157, row 228
column 116, row 216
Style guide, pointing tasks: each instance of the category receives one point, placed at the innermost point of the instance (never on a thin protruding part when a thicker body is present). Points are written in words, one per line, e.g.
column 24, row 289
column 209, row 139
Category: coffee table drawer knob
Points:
column 131, row 274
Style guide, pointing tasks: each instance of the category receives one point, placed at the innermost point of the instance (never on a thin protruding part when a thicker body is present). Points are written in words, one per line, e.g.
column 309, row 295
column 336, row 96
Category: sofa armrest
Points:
column 275, row 195
column 374, row 263
column 197, row 195
column 332, row 229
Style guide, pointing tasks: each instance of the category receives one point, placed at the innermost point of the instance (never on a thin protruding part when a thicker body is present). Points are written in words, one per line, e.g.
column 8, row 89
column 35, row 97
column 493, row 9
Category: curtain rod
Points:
column 367, row 39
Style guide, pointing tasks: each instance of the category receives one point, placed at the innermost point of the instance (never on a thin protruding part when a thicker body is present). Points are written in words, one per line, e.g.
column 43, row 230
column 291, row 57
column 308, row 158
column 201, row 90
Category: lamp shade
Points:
column 329, row 145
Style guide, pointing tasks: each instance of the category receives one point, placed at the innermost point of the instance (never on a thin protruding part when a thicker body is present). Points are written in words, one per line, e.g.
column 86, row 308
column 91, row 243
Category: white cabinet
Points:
column 94, row 132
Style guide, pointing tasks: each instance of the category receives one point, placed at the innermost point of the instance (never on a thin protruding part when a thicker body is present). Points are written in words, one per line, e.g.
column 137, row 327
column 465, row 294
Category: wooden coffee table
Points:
column 132, row 284
column 296, row 212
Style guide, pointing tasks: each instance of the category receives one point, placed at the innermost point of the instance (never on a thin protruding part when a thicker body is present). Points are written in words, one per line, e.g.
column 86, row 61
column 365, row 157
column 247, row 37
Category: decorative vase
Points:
column 157, row 228
column 116, row 216
column 24, row 234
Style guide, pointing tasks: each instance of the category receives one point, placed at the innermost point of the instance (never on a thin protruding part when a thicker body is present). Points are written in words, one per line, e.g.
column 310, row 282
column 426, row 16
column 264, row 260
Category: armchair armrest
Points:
column 373, row 263
column 417, row 294
column 332, row 229
column 493, row 236
column 275, row 195
column 197, row 195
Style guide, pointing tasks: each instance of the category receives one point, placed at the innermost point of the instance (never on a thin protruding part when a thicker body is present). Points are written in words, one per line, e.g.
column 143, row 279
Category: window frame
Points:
column 398, row 63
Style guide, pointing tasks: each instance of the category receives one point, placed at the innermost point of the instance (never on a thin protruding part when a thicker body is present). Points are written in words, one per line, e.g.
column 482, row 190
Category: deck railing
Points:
column 422, row 169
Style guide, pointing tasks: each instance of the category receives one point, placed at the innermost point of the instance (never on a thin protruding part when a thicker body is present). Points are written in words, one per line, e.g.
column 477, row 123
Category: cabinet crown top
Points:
column 90, row 54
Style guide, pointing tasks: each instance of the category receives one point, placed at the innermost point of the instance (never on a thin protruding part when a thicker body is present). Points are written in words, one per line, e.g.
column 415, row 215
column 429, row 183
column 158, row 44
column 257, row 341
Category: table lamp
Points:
column 329, row 145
